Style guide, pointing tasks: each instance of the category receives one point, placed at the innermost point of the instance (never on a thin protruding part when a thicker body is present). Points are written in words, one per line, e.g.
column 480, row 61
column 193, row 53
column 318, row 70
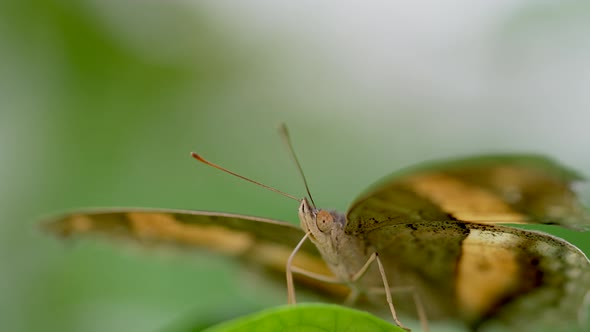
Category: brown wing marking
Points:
column 396, row 204
column 542, row 196
column 490, row 189
column 265, row 242
column 424, row 256
column 485, row 273
column 521, row 278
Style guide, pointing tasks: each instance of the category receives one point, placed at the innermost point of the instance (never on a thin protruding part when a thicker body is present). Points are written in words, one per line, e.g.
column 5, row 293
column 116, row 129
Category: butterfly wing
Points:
column 487, row 189
column 486, row 274
column 265, row 242
column 436, row 229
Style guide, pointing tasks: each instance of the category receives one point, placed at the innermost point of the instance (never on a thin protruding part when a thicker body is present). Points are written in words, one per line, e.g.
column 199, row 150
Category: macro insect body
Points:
column 432, row 235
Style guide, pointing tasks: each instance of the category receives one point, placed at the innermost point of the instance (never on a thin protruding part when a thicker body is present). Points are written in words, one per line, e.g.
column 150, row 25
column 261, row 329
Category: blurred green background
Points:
column 102, row 101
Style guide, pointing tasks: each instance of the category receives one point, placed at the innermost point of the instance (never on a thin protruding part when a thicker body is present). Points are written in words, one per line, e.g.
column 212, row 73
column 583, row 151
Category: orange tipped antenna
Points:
column 204, row 161
column 287, row 139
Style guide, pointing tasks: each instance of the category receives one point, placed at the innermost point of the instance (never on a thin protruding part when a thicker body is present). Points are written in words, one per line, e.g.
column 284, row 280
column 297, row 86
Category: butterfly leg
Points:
column 388, row 294
column 417, row 301
column 361, row 273
column 294, row 269
column 290, row 285
column 316, row 276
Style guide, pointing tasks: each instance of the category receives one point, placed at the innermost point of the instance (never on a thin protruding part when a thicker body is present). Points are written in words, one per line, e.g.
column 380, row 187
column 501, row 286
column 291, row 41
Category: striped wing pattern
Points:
column 492, row 189
column 262, row 241
column 481, row 273
column 437, row 229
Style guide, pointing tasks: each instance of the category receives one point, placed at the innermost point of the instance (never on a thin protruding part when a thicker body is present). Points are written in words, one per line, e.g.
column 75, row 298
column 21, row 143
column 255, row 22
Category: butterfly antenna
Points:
column 204, row 161
column 285, row 135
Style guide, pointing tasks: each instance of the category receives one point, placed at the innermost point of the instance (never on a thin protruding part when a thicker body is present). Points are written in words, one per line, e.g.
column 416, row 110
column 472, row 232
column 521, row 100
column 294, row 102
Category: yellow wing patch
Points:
column 487, row 272
column 162, row 226
column 462, row 200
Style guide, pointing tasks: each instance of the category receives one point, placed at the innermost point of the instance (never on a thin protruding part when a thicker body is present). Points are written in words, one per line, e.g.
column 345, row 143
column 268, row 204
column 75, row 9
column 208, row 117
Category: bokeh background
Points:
column 101, row 102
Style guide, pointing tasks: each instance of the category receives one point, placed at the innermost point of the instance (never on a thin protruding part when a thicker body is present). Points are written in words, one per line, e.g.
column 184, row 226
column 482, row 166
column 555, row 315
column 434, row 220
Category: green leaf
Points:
column 307, row 318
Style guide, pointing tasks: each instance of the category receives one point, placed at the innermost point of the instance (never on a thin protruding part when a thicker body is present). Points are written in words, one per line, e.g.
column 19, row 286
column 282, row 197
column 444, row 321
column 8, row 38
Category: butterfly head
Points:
column 319, row 223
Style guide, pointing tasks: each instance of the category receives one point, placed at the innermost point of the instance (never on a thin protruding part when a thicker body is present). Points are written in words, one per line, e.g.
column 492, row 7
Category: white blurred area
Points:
column 380, row 85
column 501, row 75
column 432, row 78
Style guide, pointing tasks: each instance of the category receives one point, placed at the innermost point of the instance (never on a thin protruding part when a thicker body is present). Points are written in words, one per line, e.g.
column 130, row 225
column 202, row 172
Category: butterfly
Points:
column 429, row 234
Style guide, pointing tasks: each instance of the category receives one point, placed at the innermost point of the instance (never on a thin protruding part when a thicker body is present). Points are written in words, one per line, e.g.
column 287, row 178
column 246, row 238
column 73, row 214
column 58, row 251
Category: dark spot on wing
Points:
column 463, row 226
column 411, row 226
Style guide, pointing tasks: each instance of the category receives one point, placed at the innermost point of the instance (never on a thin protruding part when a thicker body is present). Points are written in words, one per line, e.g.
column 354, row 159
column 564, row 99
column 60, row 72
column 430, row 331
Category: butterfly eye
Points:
column 324, row 221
